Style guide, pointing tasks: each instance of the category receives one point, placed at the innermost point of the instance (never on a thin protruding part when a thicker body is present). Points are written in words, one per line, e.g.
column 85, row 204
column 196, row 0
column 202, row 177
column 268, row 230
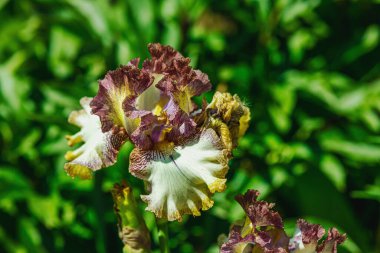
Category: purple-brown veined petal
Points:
column 183, row 181
column 183, row 125
column 179, row 80
column 99, row 149
column 306, row 237
column 168, row 123
column 236, row 243
column 141, row 136
column 118, row 85
column 259, row 212
column 227, row 112
column 334, row 238
column 271, row 241
column 162, row 58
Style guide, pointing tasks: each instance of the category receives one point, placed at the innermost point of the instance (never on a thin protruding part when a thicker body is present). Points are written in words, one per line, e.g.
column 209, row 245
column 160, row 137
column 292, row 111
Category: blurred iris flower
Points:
column 263, row 232
column 181, row 151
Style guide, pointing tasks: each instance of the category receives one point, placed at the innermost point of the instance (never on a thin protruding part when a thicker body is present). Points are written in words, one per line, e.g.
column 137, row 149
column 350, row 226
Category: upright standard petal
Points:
column 182, row 180
column 179, row 80
column 306, row 237
column 99, row 149
column 259, row 212
column 236, row 243
column 330, row 245
column 126, row 82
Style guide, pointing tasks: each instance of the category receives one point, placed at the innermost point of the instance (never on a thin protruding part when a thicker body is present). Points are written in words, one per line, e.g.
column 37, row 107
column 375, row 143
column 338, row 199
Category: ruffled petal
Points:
column 259, row 212
column 183, row 125
column 141, row 136
column 179, row 80
column 330, row 245
column 274, row 240
column 126, row 82
column 236, row 243
column 227, row 112
column 182, row 181
column 99, row 149
column 162, row 58
column 307, row 237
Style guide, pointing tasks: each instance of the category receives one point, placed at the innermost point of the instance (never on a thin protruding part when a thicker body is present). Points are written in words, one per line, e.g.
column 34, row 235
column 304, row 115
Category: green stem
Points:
column 99, row 212
column 163, row 235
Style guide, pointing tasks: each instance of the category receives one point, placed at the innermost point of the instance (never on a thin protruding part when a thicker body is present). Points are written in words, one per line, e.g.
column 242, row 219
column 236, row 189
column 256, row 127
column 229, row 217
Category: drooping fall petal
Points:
column 183, row 180
column 99, row 149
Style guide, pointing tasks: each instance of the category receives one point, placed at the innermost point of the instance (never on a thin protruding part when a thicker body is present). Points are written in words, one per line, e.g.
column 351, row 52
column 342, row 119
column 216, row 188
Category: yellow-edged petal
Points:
column 184, row 181
column 98, row 150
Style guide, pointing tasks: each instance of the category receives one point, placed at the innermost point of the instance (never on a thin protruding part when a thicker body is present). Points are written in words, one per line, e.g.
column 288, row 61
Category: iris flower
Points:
column 263, row 232
column 181, row 151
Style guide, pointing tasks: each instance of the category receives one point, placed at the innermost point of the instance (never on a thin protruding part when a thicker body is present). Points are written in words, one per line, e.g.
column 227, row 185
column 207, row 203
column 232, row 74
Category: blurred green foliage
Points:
column 309, row 70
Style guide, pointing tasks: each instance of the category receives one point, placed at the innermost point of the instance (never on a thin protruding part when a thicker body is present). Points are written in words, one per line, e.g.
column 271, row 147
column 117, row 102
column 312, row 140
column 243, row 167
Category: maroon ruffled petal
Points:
column 179, row 80
column 330, row 245
column 236, row 243
column 124, row 82
column 259, row 212
column 311, row 233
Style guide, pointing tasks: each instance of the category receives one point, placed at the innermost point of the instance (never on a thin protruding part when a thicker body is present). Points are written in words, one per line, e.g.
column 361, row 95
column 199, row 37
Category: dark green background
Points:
column 309, row 70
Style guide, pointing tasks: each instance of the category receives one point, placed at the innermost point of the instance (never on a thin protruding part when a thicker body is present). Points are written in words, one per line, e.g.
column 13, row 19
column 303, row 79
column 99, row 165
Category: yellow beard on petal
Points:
column 165, row 147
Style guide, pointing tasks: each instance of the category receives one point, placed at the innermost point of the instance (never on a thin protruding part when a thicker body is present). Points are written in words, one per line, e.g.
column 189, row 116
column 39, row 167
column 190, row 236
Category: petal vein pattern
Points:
column 184, row 181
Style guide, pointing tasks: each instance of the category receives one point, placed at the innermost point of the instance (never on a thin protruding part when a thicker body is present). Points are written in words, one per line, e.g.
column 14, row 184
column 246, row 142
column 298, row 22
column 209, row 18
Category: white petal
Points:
column 182, row 183
column 99, row 149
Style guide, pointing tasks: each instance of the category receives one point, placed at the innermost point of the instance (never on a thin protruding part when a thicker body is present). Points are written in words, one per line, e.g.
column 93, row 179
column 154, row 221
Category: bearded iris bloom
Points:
column 263, row 232
column 181, row 151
